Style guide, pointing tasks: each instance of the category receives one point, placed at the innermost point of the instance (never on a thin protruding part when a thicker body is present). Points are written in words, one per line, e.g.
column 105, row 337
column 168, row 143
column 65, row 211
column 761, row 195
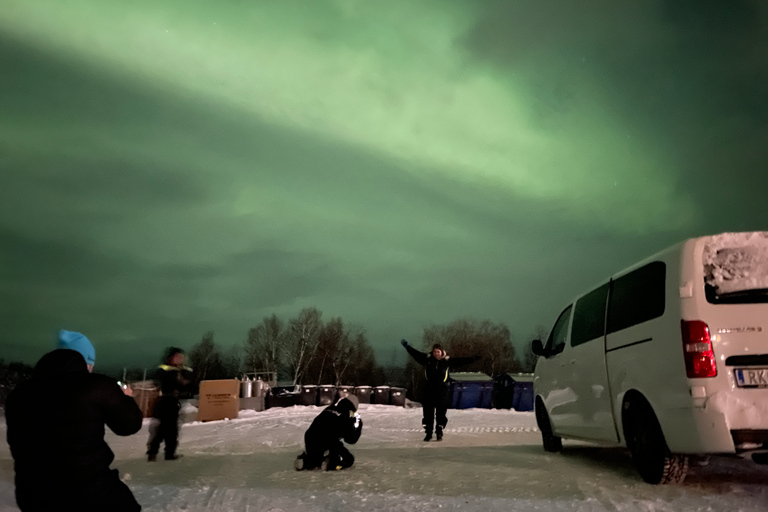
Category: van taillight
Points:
column 697, row 349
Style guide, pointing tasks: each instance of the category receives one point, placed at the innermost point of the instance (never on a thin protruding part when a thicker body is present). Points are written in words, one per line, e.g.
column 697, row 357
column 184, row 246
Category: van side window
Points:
column 637, row 297
column 589, row 316
column 556, row 341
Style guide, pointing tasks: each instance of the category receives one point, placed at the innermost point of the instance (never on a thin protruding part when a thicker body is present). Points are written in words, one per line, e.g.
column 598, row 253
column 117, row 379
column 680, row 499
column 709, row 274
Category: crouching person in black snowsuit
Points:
column 322, row 440
column 174, row 379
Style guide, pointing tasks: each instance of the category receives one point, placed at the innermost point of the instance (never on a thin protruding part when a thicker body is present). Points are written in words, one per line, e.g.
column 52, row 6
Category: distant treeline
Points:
column 11, row 375
column 306, row 349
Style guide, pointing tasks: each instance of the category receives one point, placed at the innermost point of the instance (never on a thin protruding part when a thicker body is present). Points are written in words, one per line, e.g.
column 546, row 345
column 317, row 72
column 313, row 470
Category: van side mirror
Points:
column 537, row 348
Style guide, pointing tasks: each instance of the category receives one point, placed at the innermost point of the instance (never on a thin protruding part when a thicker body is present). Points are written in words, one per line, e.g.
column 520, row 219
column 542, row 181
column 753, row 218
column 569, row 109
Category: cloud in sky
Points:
column 392, row 78
column 182, row 166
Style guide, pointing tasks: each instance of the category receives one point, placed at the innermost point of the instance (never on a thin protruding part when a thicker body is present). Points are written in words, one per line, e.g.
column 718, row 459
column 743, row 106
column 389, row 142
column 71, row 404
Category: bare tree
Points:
column 320, row 369
column 528, row 359
column 302, row 340
column 264, row 346
column 207, row 361
column 332, row 355
column 352, row 350
column 493, row 342
column 232, row 361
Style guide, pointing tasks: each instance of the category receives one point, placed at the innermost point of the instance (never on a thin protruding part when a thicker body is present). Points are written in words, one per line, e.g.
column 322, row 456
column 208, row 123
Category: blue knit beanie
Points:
column 79, row 343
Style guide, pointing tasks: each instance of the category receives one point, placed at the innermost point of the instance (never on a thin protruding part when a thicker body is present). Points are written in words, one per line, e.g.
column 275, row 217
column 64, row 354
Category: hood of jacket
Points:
column 60, row 362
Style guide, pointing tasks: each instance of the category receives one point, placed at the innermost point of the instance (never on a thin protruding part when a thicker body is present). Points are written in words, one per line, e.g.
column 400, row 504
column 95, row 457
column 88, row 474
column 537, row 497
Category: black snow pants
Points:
column 165, row 426
column 435, row 407
column 337, row 454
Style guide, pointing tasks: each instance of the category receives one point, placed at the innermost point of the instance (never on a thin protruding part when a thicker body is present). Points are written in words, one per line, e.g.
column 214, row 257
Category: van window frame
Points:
column 656, row 311
column 603, row 290
column 549, row 350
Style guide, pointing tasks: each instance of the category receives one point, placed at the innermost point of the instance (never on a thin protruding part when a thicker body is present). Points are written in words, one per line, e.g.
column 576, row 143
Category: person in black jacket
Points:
column 56, row 433
column 436, row 367
column 173, row 378
column 322, row 440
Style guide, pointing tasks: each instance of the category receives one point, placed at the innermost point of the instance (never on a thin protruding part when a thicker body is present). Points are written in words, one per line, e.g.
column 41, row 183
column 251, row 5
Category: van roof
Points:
column 734, row 237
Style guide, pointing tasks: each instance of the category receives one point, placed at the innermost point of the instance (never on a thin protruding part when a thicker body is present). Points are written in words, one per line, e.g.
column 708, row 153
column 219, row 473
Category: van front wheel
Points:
column 652, row 458
column 551, row 442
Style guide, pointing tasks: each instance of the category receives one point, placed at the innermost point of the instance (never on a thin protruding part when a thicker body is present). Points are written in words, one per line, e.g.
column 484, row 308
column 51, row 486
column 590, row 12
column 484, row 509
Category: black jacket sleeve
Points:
column 353, row 433
column 121, row 413
column 420, row 357
column 455, row 362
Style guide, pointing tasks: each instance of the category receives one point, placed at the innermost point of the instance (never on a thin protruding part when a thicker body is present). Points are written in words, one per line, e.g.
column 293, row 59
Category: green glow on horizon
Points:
column 388, row 77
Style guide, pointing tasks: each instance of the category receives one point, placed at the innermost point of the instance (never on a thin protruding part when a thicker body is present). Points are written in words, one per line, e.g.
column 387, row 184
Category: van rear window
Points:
column 736, row 268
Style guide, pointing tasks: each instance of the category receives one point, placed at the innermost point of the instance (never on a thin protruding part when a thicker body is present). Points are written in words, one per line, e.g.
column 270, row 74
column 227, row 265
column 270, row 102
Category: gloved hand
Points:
column 404, row 343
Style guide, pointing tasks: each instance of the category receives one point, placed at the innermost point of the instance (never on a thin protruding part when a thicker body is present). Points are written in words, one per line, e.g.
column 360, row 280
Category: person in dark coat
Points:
column 56, row 433
column 436, row 367
column 322, row 440
column 174, row 379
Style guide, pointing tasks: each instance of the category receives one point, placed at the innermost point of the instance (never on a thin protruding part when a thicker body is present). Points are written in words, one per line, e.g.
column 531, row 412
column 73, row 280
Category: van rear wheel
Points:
column 551, row 442
column 645, row 440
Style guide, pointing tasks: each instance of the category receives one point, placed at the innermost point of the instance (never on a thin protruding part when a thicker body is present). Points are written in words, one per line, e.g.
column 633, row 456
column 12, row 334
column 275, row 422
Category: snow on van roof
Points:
column 736, row 261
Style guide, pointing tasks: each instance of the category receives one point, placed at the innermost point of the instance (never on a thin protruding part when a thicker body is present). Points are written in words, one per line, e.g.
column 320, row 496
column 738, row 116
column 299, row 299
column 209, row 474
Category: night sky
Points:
column 173, row 167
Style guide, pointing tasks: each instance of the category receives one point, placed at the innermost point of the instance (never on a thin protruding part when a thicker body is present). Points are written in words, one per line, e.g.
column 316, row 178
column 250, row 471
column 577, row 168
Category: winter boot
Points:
column 439, row 433
column 151, row 457
column 298, row 464
column 331, row 463
column 174, row 456
column 428, row 437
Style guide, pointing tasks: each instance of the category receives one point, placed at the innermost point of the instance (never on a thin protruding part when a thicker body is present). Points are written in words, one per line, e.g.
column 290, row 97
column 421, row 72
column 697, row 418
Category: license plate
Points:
column 751, row 377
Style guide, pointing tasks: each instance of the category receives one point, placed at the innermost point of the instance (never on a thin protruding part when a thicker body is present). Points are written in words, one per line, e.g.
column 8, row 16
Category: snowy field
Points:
column 490, row 460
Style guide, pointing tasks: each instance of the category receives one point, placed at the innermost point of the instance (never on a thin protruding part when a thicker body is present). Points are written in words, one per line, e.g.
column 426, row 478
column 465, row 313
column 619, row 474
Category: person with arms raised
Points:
column 437, row 365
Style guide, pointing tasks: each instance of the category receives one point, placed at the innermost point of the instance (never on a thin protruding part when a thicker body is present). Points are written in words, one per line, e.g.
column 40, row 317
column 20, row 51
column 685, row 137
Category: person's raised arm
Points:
column 419, row 357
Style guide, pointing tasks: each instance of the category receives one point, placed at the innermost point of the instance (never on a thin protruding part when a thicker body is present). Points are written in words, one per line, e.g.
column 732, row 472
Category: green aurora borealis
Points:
column 172, row 167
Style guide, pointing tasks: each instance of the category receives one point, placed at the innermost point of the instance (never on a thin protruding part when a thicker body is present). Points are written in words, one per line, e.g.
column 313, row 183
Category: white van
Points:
column 668, row 358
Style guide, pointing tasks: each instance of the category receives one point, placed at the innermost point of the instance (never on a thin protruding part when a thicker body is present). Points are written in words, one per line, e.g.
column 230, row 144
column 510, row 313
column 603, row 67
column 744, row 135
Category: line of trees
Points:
column 306, row 349
column 11, row 375
column 491, row 341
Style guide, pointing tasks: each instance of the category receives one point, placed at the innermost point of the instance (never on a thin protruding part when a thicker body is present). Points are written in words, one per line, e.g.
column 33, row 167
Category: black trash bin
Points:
column 325, row 394
column 397, row 397
column 363, row 394
column 381, row 395
column 281, row 400
column 308, row 395
column 342, row 391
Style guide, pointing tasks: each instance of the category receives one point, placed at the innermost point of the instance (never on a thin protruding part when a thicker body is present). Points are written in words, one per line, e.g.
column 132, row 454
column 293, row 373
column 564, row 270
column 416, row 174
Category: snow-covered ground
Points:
column 490, row 460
